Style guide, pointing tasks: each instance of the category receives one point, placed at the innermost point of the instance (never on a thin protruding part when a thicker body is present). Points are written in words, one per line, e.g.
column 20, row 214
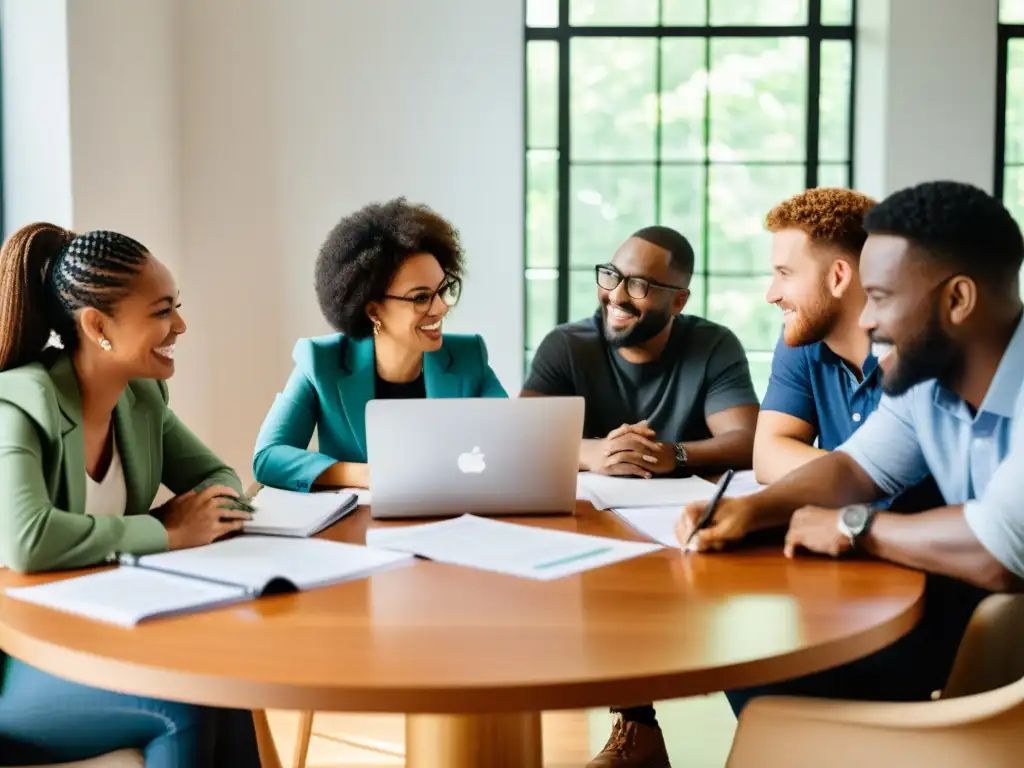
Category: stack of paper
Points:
column 658, row 521
column 606, row 492
column 218, row 574
column 517, row 550
column 287, row 513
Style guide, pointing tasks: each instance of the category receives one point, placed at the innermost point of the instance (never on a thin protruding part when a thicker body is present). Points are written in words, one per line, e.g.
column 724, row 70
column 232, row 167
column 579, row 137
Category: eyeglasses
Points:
column 449, row 291
column 608, row 278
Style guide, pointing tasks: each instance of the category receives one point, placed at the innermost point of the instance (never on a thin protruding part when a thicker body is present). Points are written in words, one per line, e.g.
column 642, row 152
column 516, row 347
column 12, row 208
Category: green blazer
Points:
column 43, row 525
column 328, row 390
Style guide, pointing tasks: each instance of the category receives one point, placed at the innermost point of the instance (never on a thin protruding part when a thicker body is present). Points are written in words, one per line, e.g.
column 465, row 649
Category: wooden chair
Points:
column 977, row 721
column 302, row 739
column 132, row 758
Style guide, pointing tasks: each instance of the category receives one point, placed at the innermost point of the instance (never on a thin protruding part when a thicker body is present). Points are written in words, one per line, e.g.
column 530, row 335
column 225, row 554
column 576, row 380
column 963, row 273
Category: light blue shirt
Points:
column 976, row 459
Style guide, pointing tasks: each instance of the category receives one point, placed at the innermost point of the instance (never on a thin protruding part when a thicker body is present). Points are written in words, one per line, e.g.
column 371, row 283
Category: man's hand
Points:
column 817, row 530
column 630, row 451
column 734, row 519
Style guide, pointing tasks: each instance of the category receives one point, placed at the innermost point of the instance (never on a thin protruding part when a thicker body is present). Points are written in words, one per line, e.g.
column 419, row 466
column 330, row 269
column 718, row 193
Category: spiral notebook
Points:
column 226, row 572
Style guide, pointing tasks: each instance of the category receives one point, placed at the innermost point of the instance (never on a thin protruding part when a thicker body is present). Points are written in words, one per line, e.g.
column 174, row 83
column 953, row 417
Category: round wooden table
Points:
column 474, row 657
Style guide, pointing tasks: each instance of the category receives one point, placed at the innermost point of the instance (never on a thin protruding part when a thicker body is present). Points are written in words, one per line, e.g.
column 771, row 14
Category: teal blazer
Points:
column 329, row 388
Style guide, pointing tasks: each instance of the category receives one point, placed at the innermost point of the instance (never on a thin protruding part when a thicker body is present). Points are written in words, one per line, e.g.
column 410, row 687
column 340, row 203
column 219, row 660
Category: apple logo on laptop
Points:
column 472, row 463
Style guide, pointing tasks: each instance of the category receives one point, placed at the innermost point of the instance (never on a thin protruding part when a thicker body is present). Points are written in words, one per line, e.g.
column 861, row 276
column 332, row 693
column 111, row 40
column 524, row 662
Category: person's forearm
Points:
column 938, row 541
column 776, row 457
column 729, row 450
column 833, row 481
column 345, row 474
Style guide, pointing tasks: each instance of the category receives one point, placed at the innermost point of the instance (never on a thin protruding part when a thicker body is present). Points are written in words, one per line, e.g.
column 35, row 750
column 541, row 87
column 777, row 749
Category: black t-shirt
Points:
column 406, row 390
column 702, row 371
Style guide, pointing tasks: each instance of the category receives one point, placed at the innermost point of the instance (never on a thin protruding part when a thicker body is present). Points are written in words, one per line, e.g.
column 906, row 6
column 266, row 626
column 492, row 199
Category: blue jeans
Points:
column 45, row 719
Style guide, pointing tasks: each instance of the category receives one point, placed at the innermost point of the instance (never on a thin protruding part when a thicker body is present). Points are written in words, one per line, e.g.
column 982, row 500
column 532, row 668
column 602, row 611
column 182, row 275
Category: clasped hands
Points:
column 630, row 451
column 814, row 529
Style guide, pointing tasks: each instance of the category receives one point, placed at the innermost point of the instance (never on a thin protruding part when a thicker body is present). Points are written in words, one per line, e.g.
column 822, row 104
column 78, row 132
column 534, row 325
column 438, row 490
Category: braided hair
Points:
column 48, row 274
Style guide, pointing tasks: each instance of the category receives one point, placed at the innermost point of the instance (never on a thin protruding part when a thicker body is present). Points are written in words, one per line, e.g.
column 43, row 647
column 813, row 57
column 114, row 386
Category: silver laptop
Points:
column 486, row 456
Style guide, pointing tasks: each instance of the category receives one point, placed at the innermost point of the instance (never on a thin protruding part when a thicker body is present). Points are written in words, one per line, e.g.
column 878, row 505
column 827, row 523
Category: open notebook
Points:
column 222, row 573
column 287, row 513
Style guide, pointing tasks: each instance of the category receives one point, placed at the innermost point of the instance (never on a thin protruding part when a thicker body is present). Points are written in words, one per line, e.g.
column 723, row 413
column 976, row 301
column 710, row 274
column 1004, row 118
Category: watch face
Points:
column 855, row 518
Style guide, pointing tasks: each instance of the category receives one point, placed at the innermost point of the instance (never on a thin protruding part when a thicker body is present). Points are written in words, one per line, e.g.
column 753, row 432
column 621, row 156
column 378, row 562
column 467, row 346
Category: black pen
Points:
column 709, row 510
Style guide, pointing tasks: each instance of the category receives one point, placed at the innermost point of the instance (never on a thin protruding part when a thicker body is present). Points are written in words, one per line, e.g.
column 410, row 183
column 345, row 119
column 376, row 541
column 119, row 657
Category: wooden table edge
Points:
column 136, row 679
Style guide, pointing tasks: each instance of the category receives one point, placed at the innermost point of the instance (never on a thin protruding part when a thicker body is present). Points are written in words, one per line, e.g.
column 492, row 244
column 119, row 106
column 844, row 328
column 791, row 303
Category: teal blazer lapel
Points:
column 439, row 378
column 356, row 387
column 69, row 398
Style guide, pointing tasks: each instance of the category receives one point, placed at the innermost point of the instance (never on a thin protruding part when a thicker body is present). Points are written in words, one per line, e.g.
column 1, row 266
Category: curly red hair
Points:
column 831, row 217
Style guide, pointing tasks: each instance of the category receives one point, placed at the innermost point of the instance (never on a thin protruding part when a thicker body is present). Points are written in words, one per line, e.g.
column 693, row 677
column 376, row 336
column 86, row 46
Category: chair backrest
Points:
column 991, row 654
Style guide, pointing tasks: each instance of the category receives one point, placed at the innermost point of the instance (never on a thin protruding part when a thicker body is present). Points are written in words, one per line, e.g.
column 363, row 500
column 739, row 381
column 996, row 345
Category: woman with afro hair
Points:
column 386, row 277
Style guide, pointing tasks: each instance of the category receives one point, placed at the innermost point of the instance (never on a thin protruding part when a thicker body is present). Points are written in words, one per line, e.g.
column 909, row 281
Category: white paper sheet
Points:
column 255, row 560
column 606, row 492
column 743, row 484
column 657, row 523
column 202, row 577
column 518, row 550
column 126, row 596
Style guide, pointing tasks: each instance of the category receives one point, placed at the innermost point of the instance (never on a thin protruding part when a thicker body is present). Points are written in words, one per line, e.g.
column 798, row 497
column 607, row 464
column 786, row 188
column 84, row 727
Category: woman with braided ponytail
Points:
column 86, row 440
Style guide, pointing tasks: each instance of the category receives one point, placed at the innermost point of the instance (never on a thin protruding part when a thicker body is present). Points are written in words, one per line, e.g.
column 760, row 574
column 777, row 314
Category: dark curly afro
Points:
column 363, row 252
column 956, row 224
column 829, row 215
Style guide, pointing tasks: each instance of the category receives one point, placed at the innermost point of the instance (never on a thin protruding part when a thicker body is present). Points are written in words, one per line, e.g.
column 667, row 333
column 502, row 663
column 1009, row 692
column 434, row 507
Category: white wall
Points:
column 926, row 93
column 36, row 121
column 297, row 113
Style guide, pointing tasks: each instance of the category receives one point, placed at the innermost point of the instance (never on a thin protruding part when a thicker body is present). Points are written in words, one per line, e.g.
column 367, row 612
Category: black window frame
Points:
column 813, row 31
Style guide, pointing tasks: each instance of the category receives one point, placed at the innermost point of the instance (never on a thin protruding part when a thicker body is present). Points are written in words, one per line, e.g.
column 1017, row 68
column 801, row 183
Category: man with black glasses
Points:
column 666, row 394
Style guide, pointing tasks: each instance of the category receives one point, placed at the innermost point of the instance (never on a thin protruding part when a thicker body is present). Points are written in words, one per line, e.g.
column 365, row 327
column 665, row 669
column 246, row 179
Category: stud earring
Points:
column 376, row 327
column 105, row 345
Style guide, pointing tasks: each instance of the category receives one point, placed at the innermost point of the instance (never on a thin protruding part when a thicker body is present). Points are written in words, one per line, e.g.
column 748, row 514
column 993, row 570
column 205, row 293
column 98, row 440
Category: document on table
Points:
column 606, row 492
column 657, row 523
column 288, row 513
column 743, row 484
column 517, row 550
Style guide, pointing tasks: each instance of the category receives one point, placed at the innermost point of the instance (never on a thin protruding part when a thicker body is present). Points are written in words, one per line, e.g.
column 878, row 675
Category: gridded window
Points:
column 1009, row 181
column 696, row 114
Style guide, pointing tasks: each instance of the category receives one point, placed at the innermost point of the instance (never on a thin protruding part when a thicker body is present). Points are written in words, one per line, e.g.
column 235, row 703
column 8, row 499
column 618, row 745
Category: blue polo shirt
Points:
column 814, row 384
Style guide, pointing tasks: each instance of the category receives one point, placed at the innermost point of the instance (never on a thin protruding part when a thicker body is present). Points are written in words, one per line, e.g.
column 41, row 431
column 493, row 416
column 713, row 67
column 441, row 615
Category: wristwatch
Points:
column 681, row 456
column 855, row 520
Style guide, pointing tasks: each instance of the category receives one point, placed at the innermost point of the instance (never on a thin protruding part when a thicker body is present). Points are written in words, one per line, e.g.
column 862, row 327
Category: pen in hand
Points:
column 709, row 510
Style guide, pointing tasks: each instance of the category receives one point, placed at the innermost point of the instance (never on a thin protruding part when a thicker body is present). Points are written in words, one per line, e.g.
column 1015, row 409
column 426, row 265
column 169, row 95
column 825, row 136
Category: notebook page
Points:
column 510, row 548
column 127, row 595
column 256, row 560
column 606, row 492
column 292, row 513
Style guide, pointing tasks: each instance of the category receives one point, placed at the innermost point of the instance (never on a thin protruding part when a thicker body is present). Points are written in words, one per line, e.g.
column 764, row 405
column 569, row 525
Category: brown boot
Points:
column 632, row 745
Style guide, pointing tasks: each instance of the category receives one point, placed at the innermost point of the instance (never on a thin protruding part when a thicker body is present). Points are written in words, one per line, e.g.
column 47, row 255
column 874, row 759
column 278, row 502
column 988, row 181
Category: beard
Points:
column 649, row 325
column 932, row 354
column 813, row 323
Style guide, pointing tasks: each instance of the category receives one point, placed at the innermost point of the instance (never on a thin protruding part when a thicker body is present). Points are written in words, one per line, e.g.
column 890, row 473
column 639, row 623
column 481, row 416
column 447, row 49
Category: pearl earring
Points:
column 105, row 345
